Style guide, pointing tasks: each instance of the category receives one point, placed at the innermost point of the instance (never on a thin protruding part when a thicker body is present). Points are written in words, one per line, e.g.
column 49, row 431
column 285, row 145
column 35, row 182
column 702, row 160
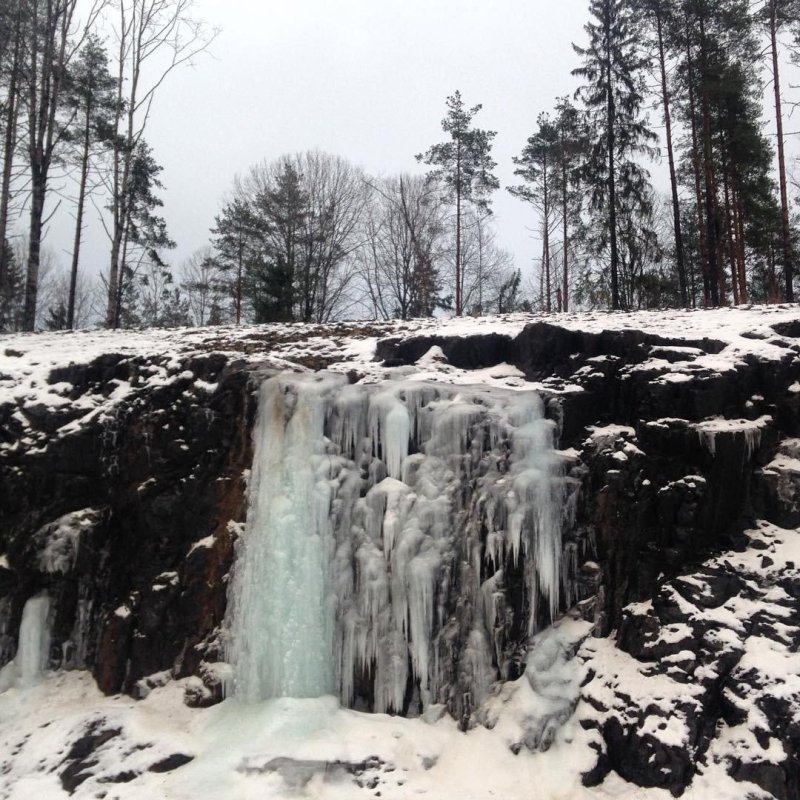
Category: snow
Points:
column 710, row 430
column 377, row 468
column 26, row 360
column 275, row 750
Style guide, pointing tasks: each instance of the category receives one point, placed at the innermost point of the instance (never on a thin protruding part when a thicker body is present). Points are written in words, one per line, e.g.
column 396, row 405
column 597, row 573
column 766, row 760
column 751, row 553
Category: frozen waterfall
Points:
column 33, row 650
column 387, row 527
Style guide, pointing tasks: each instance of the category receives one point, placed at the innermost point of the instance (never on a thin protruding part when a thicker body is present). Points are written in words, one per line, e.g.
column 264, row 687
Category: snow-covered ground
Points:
column 62, row 737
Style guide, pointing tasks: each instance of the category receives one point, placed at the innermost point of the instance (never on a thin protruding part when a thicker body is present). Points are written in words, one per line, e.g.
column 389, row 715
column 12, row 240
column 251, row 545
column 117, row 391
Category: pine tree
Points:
column 236, row 240
column 779, row 16
column 282, row 209
column 463, row 165
column 573, row 145
column 613, row 96
column 145, row 232
column 660, row 27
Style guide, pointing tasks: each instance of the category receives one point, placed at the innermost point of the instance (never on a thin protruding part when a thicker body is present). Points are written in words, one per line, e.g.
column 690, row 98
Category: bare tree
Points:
column 153, row 38
column 11, row 64
column 485, row 265
column 307, row 211
column 205, row 287
column 403, row 243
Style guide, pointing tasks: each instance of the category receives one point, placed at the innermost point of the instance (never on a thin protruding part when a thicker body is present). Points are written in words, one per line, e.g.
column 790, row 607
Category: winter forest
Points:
column 701, row 90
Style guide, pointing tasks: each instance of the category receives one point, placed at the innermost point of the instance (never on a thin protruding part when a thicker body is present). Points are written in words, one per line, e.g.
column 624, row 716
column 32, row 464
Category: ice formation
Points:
column 386, row 526
column 33, row 650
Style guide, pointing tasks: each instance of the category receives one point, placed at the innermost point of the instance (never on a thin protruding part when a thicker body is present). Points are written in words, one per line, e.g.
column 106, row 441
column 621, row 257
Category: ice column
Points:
column 281, row 608
column 33, row 650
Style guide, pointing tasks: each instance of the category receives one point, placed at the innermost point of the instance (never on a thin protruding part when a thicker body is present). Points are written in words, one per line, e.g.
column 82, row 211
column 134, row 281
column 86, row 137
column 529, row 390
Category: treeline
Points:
column 726, row 232
column 311, row 237
column 74, row 114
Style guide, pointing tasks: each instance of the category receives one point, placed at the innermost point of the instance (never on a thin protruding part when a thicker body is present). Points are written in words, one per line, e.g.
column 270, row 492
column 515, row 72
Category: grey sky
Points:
column 366, row 79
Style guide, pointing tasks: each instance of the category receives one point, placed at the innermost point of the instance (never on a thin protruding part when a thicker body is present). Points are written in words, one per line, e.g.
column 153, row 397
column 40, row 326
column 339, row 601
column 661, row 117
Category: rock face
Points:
column 124, row 503
column 139, row 584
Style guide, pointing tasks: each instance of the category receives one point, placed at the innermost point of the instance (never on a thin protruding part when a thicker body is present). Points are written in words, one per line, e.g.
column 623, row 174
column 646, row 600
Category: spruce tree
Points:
column 613, row 97
column 282, row 209
column 463, row 165
column 236, row 241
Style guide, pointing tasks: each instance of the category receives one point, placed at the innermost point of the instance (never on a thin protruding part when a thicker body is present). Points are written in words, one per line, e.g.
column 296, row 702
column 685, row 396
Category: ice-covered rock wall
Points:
column 388, row 527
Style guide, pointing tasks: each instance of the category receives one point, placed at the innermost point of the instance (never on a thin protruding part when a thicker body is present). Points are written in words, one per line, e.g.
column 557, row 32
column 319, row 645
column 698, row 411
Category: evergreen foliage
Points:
column 463, row 166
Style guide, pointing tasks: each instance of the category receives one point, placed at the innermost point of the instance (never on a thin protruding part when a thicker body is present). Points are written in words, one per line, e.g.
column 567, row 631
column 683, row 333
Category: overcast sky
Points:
column 365, row 79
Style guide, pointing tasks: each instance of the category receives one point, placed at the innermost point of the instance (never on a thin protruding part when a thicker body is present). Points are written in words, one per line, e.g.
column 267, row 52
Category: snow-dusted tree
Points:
column 463, row 166
column 613, row 95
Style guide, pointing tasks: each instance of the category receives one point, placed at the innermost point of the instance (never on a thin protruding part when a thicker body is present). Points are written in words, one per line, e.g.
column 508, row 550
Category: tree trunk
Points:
column 76, row 249
column 45, row 91
column 712, row 226
column 701, row 227
column 611, row 145
column 565, row 222
column 548, row 304
column 459, row 309
column 738, row 211
column 729, row 230
column 34, row 255
column 676, row 209
column 788, row 272
column 116, row 186
column 9, row 144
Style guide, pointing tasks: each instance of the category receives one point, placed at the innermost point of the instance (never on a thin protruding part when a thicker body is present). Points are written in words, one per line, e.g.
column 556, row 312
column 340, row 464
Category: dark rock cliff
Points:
column 129, row 520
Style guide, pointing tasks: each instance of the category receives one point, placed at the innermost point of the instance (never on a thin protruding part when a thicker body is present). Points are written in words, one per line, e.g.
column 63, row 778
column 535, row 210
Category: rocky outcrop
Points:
column 124, row 502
